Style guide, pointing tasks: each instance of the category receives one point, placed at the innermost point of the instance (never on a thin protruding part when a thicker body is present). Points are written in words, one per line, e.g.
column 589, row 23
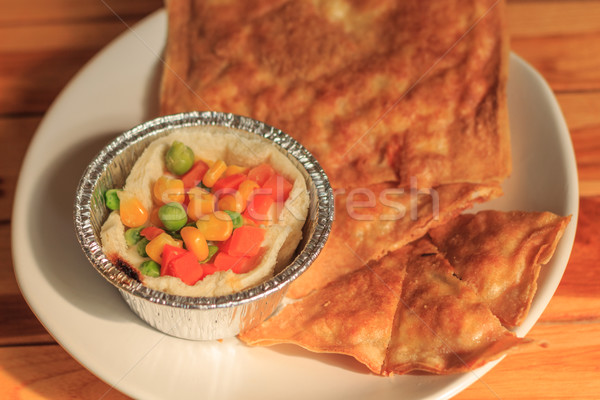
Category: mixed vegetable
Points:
column 206, row 217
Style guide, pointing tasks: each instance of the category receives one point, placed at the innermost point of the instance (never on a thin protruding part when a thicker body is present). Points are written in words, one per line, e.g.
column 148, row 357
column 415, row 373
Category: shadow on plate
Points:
column 53, row 238
column 335, row 360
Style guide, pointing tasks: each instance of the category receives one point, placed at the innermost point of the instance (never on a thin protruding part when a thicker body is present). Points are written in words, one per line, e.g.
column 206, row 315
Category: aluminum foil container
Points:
column 198, row 318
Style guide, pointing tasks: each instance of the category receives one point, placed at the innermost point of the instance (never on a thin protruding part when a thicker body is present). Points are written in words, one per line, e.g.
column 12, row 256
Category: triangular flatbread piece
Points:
column 352, row 315
column 499, row 254
column 374, row 220
column 441, row 326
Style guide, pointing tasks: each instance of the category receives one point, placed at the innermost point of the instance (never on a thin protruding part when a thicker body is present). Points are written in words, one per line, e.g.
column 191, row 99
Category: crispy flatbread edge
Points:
column 485, row 192
column 178, row 41
column 501, row 93
column 501, row 348
column 542, row 257
column 375, row 368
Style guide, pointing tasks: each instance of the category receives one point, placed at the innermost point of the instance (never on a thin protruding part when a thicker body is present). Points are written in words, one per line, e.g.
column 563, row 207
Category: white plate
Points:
column 86, row 315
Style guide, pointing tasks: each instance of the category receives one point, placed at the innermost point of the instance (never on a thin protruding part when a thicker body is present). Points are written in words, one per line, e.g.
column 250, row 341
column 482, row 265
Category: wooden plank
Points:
column 8, row 283
column 15, row 138
column 44, row 11
column 36, row 62
column 567, row 368
column 582, row 277
column 581, row 111
column 30, row 82
column 18, row 324
column 48, row 372
column 73, row 36
column 552, row 18
column 576, row 298
column 568, row 63
column 560, row 39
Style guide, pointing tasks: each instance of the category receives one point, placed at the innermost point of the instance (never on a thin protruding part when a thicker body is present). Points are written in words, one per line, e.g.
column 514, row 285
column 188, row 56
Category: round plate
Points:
column 85, row 314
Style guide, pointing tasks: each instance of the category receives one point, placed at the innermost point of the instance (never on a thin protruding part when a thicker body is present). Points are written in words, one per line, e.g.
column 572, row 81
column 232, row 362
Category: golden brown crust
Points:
column 377, row 90
column 441, row 326
column 499, row 254
column 372, row 221
column 352, row 315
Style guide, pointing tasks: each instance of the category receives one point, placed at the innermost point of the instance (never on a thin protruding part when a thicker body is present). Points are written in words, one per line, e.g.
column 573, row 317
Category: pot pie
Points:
column 243, row 205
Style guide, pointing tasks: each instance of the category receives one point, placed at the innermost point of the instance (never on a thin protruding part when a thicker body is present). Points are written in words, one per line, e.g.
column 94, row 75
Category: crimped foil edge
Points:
column 321, row 214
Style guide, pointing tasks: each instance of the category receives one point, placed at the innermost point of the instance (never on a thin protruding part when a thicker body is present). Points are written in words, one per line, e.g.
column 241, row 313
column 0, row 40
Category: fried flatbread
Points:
column 381, row 218
column 378, row 90
column 351, row 316
column 441, row 326
column 499, row 254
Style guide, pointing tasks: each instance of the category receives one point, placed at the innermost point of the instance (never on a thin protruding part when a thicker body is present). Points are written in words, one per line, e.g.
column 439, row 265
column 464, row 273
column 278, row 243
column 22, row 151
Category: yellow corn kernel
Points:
column 232, row 202
column 214, row 173
column 235, row 169
column 195, row 242
column 246, row 188
column 167, row 190
column 132, row 211
column 216, row 226
column 155, row 247
column 201, row 203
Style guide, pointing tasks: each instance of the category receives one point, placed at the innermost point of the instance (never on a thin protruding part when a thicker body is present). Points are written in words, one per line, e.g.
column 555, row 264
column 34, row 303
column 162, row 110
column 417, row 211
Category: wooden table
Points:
column 44, row 42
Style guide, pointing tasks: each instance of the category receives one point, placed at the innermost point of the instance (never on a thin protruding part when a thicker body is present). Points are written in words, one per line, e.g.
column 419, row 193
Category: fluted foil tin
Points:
column 198, row 318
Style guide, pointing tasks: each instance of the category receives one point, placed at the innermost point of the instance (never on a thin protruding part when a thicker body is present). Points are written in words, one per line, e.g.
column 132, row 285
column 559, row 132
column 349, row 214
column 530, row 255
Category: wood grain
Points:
column 48, row 372
column 33, row 70
column 572, row 355
column 52, row 11
column 582, row 113
column 552, row 18
column 577, row 297
column 14, row 140
column 561, row 39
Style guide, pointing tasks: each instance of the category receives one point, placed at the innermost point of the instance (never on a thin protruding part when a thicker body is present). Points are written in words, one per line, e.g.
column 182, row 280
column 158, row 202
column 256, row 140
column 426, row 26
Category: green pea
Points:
column 212, row 250
column 132, row 236
column 236, row 218
column 141, row 247
column 179, row 158
column 173, row 216
column 150, row 268
column 112, row 199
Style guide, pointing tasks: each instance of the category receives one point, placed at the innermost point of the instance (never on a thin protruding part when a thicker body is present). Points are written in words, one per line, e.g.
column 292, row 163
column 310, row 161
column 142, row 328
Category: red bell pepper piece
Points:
column 239, row 265
column 258, row 207
column 248, row 220
column 194, row 176
column 278, row 187
column 169, row 253
column 228, row 184
column 224, row 246
column 186, row 267
column 151, row 232
column 208, row 269
column 261, row 173
column 245, row 241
